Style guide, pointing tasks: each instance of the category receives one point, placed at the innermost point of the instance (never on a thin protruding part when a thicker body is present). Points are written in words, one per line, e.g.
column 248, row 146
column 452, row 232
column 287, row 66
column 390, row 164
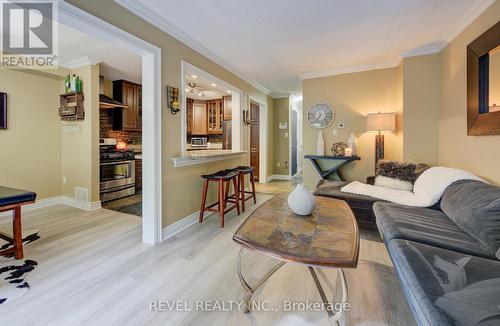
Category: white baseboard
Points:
column 58, row 200
column 269, row 179
column 280, row 177
column 86, row 206
column 181, row 225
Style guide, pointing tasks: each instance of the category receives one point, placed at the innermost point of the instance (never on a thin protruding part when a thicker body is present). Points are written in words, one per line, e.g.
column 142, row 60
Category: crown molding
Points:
column 478, row 7
column 277, row 95
column 349, row 69
column 432, row 48
column 153, row 18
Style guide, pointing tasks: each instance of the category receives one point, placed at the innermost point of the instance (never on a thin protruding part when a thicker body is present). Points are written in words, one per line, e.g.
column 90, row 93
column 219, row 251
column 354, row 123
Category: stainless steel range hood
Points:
column 106, row 102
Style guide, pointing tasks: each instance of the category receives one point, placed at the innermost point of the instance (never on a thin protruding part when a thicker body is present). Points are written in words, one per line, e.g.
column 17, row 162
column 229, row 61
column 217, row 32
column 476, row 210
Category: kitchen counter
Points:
column 204, row 156
column 212, row 146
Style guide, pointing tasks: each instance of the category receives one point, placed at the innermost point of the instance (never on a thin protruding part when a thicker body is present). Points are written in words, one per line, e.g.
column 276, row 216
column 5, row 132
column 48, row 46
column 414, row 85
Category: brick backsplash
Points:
column 106, row 129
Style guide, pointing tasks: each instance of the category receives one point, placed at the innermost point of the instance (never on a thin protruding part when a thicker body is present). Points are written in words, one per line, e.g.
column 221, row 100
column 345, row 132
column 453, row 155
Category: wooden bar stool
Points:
column 242, row 171
column 223, row 177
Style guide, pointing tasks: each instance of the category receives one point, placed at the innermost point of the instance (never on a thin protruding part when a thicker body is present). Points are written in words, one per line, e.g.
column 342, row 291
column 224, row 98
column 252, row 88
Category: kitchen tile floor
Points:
column 129, row 205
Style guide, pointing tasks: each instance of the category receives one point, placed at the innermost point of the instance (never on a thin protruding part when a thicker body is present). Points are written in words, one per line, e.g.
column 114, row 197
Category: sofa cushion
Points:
column 427, row 226
column 405, row 171
column 475, row 207
column 444, row 287
column 331, row 189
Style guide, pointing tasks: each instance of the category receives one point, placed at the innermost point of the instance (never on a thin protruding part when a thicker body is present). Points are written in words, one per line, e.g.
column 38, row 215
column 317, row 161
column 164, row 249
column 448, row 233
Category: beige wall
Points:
column 478, row 154
column 270, row 136
column 421, row 102
column 353, row 96
column 181, row 186
column 31, row 146
column 80, row 150
column 281, row 139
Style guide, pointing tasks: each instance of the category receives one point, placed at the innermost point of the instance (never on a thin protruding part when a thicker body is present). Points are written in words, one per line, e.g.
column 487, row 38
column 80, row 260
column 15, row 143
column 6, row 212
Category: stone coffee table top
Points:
column 328, row 237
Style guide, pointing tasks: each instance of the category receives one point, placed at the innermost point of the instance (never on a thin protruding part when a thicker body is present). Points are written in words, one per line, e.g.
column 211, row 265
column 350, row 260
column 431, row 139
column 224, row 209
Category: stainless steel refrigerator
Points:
column 226, row 135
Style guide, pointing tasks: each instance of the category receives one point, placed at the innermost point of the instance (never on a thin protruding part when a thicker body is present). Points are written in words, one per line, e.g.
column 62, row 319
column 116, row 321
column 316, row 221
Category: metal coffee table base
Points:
column 335, row 318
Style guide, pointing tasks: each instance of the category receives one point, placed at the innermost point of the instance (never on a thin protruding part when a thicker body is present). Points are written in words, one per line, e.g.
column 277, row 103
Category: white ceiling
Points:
column 78, row 49
column 210, row 92
column 276, row 43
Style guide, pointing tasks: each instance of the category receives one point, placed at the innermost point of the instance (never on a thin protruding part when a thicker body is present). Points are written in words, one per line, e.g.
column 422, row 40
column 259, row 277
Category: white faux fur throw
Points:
column 428, row 189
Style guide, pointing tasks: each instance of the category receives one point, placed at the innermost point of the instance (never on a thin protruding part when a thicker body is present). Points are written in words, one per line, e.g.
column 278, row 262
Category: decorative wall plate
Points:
column 320, row 115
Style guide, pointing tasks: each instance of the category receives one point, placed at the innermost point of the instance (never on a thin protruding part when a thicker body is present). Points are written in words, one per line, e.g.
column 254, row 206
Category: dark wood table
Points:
column 12, row 200
column 328, row 237
column 340, row 160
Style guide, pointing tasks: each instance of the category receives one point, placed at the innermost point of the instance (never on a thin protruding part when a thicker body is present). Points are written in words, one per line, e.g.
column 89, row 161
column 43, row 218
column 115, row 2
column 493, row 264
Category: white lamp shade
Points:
column 381, row 122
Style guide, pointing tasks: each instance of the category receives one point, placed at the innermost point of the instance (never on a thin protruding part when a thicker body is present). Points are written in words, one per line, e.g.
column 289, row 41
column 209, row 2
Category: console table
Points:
column 340, row 160
column 11, row 200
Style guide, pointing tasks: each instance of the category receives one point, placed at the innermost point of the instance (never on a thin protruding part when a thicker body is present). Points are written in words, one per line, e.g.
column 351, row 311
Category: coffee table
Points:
column 328, row 238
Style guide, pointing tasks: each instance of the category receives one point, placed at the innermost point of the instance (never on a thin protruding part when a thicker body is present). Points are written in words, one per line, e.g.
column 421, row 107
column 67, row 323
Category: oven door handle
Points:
column 117, row 162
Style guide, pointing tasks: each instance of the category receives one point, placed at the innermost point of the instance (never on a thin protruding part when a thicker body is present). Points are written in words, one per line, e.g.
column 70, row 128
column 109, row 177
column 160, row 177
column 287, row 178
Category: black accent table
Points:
column 341, row 160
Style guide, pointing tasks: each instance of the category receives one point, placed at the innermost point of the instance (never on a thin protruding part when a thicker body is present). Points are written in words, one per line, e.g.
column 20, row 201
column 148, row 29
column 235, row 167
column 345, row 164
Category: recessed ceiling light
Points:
column 228, row 91
column 214, row 84
column 194, row 76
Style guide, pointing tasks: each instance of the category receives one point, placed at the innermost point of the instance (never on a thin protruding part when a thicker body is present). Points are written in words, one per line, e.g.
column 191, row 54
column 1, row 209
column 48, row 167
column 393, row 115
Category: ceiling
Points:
column 275, row 43
column 77, row 49
column 209, row 92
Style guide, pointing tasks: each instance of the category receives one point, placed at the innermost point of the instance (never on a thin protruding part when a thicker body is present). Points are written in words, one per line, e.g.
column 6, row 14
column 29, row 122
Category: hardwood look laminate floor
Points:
column 94, row 270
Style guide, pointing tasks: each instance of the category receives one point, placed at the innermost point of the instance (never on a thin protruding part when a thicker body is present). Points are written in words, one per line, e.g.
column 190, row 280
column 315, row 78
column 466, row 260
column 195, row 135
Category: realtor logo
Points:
column 28, row 34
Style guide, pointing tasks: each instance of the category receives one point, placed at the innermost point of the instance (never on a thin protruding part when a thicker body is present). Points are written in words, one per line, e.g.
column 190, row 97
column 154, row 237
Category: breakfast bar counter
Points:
column 204, row 156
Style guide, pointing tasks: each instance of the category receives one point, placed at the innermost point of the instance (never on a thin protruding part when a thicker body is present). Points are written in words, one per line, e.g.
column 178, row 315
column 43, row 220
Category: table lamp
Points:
column 380, row 122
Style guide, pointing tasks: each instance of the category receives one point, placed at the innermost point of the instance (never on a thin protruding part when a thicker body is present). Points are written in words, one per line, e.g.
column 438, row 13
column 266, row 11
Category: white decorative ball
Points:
column 301, row 201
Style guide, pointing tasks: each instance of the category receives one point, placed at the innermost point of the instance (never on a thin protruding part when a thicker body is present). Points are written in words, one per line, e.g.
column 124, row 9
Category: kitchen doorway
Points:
column 151, row 110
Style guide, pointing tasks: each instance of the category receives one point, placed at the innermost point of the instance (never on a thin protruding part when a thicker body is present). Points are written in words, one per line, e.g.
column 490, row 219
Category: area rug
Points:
column 14, row 273
column 133, row 209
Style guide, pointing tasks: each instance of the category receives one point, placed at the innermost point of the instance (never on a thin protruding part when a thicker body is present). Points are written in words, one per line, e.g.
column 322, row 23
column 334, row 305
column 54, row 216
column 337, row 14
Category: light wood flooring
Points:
column 94, row 270
column 276, row 186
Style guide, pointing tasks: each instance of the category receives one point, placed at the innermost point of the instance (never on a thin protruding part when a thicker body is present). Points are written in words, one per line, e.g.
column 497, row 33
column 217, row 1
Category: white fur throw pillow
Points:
column 393, row 183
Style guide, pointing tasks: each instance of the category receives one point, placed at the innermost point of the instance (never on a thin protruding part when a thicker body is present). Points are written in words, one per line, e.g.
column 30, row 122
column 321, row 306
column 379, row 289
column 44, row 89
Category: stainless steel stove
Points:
column 117, row 171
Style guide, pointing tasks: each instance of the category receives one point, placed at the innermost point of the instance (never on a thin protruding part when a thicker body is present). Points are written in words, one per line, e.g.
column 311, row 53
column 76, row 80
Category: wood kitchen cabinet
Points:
column 199, row 118
column 138, row 175
column 129, row 94
column 228, row 107
column 215, row 116
column 189, row 107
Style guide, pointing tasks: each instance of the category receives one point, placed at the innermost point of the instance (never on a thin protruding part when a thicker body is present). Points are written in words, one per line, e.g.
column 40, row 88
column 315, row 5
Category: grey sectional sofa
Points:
column 361, row 206
column 448, row 260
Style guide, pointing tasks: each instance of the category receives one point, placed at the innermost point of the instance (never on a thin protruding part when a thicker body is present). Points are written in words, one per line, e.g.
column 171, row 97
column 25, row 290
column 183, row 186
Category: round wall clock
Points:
column 320, row 115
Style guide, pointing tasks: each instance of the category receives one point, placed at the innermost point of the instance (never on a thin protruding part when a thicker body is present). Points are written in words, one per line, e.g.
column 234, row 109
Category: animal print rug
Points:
column 14, row 273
